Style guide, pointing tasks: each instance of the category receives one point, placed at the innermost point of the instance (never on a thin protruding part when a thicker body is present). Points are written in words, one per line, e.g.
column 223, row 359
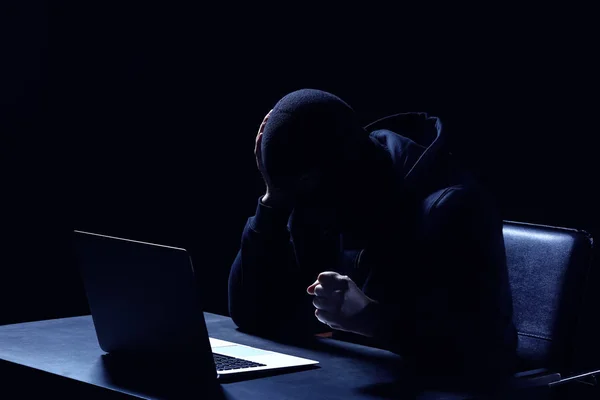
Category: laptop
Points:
column 144, row 301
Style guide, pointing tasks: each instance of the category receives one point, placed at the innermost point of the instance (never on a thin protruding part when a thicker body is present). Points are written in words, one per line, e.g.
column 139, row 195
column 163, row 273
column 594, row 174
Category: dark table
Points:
column 63, row 355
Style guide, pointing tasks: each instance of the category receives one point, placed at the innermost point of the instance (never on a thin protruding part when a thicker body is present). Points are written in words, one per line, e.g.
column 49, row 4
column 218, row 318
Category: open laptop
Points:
column 144, row 301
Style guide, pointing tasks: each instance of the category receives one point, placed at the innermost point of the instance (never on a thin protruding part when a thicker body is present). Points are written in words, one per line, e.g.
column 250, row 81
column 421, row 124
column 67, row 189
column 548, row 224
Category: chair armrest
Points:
column 531, row 373
column 542, row 377
column 541, row 384
column 535, row 378
column 588, row 378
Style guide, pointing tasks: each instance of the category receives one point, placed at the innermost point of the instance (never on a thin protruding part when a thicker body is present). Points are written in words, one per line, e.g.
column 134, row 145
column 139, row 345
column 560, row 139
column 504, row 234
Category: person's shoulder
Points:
column 465, row 197
column 456, row 210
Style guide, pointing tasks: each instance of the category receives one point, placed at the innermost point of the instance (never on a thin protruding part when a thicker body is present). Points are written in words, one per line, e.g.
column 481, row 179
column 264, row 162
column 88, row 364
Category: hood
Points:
column 415, row 142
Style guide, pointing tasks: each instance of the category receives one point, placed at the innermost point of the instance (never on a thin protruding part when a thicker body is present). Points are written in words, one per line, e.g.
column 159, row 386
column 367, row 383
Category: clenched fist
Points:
column 341, row 304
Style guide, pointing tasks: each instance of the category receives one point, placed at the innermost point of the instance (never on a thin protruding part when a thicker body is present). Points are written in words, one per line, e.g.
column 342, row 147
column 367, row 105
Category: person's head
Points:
column 314, row 135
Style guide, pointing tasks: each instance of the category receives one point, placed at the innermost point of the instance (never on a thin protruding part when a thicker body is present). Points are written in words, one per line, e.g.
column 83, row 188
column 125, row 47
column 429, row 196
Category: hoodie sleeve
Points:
column 267, row 287
column 462, row 313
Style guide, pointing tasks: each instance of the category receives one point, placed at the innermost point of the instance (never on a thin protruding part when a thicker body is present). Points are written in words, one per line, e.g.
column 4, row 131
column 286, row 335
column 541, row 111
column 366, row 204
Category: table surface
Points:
column 69, row 348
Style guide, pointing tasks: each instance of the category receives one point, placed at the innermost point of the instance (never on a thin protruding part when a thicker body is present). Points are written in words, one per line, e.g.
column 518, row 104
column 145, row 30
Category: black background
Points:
column 139, row 120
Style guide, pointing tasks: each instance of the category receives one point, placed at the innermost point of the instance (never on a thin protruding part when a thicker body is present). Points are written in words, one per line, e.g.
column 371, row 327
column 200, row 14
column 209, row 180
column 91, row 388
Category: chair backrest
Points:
column 548, row 268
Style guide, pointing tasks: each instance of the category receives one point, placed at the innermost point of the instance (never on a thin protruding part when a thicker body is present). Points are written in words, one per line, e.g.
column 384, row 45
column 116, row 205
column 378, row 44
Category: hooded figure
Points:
column 393, row 212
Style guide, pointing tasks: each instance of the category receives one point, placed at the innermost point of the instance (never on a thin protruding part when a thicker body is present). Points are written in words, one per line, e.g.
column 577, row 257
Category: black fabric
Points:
column 432, row 253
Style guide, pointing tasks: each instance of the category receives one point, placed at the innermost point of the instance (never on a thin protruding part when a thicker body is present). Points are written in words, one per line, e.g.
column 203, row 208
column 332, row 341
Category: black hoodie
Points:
column 439, row 271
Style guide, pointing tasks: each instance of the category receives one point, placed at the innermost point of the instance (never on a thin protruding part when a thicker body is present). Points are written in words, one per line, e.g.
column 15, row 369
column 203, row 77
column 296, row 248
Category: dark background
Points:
column 139, row 121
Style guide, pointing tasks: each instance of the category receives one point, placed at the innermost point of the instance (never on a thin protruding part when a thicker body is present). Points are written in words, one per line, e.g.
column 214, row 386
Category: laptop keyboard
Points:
column 227, row 363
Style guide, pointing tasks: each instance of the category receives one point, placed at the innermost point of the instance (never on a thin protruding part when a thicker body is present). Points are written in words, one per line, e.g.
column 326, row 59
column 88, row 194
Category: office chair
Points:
column 549, row 269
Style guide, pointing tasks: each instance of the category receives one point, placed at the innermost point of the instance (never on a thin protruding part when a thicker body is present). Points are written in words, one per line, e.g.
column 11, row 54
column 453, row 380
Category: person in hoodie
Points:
column 377, row 234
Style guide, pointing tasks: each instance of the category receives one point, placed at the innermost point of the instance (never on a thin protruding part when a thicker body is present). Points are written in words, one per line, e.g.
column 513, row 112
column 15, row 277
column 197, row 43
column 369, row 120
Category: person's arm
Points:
column 462, row 308
column 266, row 283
